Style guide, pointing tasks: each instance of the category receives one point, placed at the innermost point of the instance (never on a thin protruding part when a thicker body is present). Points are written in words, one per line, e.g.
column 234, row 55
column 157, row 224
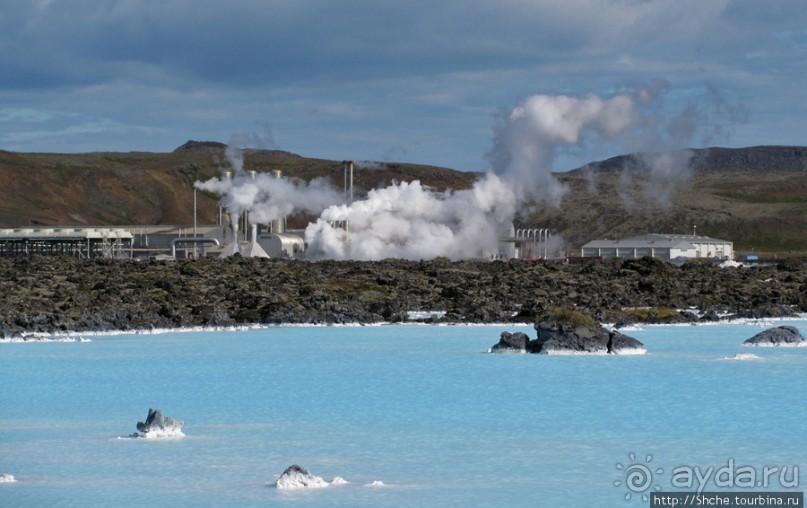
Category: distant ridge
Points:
column 207, row 146
column 717, row 159
column 755, row 197
column 215, row 146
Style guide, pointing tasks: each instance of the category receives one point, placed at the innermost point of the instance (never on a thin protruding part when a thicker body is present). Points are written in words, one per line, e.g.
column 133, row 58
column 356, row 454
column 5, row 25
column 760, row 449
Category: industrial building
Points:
column 524, row 243
column 230, row 235
column 69, row 241
column 663, row 246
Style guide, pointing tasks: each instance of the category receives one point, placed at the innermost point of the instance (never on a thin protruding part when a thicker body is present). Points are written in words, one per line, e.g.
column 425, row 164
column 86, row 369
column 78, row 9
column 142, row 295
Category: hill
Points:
column 755, row 197
column 44, row 189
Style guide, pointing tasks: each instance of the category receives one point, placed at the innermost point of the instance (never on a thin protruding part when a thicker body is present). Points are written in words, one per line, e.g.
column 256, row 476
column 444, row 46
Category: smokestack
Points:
column 227, row 175
column 245, row 216
column 279, row 224
column 347, row 166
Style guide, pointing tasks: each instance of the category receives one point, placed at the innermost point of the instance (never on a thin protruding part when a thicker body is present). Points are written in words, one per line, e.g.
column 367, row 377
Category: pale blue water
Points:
column 423, row 409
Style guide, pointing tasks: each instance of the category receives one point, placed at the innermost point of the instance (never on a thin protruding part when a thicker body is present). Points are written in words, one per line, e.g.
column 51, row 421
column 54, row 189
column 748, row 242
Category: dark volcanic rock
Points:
column 517, row 341
column 563, row 338
column 559, row 338
column 296, row 477
column 779, row 336
column 63, row 294
column 157, row 425
column 621, row 344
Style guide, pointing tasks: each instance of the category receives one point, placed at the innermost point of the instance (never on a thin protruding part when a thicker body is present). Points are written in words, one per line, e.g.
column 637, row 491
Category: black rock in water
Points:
column 778, row 336
column 517, row 341
column 158, row 425
column 619, row 343
column 296, row 477
column 558, row 338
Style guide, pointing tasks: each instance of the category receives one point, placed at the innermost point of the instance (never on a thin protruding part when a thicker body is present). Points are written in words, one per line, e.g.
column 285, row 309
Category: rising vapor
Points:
column 527, row 140
column 412, row 221
column 265, row 196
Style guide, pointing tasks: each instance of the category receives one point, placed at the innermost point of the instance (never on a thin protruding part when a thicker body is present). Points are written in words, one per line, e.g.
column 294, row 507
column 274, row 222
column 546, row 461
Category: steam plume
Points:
column 412, row 221
column 526, row 141
column 409, row 220
column 266, row 197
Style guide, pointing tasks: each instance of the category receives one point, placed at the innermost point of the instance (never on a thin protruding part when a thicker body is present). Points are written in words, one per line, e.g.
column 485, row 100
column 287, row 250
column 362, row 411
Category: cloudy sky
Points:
column 417, row 80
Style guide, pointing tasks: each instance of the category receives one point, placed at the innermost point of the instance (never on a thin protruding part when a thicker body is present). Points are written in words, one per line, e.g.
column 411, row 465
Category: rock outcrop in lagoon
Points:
column 296, row 477
column 157, row 425
column 778, row 336
column 512, row 342
column 569, row 333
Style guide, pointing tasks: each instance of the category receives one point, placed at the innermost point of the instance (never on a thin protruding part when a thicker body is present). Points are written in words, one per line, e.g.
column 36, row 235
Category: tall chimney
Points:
column 279, row 224
column 350, row 163
column 227, row 175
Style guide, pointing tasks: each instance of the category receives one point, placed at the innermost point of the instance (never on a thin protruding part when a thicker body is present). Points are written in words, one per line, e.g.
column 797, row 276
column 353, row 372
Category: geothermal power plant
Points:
column 233, row 233
column 407, row 219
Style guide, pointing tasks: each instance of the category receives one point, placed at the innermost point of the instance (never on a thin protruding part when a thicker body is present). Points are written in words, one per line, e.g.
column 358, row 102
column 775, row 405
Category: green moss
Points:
column 652, row 314
column 566, row 316
column 157, row 294
column 765, row 197
column 371, row 296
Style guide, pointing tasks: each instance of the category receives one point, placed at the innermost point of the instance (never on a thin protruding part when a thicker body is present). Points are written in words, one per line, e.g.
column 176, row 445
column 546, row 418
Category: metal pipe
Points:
column 194, row 221
column 279, row 224
column 350, row 163
column 175, row 241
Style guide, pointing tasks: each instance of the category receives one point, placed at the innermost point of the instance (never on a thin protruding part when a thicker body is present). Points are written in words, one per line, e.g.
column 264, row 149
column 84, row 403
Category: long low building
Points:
column 662, row 246
column 72, row 241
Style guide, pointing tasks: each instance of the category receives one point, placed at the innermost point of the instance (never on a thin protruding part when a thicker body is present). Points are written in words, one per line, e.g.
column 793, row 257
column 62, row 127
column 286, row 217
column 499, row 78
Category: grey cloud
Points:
column 274, row 41
column 356, row 77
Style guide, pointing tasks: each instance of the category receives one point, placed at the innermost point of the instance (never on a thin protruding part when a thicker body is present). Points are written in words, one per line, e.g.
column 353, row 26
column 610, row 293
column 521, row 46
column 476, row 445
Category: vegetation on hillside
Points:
column 755, row 197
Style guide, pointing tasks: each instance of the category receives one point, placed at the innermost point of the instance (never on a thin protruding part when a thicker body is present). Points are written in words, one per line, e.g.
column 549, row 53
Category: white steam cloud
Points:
column 409, row 220
column 526, row 141
column 265, row 196
column 414, row 222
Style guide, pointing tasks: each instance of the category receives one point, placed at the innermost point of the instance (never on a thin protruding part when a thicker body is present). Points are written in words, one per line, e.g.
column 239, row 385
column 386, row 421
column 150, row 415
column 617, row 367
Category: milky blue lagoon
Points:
column 424, row 409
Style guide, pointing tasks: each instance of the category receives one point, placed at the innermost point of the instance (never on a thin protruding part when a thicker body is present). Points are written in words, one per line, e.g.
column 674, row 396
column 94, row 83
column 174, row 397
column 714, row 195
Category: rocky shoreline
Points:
column 61, row 294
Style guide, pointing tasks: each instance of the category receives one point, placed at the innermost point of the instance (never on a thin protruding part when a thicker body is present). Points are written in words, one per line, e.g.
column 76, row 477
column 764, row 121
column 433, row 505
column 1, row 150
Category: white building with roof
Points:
column 662, row 246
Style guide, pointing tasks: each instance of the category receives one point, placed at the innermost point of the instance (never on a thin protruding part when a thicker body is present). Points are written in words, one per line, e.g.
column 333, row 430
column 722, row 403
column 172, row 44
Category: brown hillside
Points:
column 755, row 197
column 157, row 188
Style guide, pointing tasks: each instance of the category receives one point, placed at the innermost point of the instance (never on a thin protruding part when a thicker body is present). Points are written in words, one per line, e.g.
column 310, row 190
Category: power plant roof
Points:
column 657, row 241
column 65, row 234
